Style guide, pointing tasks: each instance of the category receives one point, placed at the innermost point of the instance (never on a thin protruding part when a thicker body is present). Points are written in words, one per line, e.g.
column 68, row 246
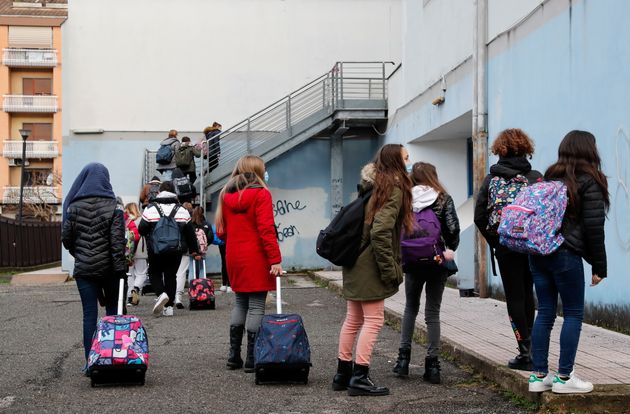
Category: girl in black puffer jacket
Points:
column 562, row 272
column 94, row 234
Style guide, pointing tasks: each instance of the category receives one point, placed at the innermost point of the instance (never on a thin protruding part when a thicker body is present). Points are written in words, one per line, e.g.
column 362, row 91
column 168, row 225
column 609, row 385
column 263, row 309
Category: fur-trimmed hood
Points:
column 368, row 177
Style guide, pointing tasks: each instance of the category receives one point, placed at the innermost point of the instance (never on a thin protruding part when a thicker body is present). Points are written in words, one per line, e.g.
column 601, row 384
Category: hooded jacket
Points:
column 146, row 190
column 150, row 216
column 444, row 208
column 175, row 144
column 508, row 167
column 377, row 272
column 251, row 241
column 583, row 229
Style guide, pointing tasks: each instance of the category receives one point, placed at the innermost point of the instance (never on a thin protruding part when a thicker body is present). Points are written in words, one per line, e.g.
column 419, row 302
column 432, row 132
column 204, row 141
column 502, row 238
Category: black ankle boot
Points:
column 249, row 360
column 401, row 369
column 343, row 375
column 236, row 339
column 432, row 370
column 361, row 384
column 523, row 360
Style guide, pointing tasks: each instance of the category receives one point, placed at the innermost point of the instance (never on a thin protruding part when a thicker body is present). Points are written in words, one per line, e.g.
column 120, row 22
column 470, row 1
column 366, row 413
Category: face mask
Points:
column 266, row 177
column 409, row 168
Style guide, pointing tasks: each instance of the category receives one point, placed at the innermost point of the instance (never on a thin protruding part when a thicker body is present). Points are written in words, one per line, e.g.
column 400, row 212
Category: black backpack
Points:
column 340, row 242
column 166, row 237
column 183, row 188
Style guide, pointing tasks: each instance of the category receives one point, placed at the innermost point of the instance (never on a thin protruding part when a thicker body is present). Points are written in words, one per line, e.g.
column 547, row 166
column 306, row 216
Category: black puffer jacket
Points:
column 94, row 234
column 583, row 227
column 444, row 209
column 507, row 168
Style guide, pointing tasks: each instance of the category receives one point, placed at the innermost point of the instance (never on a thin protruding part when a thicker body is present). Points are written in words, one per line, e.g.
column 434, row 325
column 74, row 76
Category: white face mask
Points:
column 266, row 177
column 409, row 168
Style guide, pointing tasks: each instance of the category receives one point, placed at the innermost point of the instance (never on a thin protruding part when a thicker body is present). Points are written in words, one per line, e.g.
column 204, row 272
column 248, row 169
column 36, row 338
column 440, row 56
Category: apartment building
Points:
column 30, row 85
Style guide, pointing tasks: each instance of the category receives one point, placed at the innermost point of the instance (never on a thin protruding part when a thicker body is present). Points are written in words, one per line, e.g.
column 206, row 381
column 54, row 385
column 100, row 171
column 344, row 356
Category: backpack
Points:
column 166, row 237
column 164, row 155
column 424, row 246
column 184, row 156
column 154, row 190
column 183, row 188
column 340, row 242
column 130, row 244
column 202, row 240
column 532, row 223
column 502, row 192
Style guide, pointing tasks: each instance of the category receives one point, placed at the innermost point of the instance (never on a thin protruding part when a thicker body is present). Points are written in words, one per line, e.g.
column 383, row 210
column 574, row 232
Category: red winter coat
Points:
column 251, row 241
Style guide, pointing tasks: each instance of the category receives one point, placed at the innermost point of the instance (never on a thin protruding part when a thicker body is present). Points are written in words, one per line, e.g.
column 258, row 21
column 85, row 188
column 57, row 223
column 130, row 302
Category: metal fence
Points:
column 36, row 243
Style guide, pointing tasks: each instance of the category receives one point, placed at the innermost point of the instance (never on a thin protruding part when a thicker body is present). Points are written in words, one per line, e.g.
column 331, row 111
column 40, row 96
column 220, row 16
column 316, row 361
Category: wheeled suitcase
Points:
column 120, row 348
column 282, row 352
column 201, row 290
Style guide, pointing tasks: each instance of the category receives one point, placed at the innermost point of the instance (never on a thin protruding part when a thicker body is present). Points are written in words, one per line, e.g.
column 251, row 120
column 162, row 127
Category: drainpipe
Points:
column 480, row 133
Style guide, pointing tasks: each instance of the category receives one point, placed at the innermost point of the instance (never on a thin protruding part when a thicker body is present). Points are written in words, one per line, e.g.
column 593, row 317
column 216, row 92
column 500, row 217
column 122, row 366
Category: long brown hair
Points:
column 424, row 173
column 248, row 173
column 578, row 155
column 391, row 172
column 197, row 216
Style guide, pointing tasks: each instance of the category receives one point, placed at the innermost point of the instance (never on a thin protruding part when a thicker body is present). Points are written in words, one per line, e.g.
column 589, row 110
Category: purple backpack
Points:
column 424, row 246
column 532, row 223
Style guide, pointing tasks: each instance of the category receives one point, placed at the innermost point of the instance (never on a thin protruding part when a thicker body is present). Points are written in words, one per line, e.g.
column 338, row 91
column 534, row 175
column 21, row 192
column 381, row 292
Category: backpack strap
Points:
column 493, row 260
column 159, row 209
column 174, row 211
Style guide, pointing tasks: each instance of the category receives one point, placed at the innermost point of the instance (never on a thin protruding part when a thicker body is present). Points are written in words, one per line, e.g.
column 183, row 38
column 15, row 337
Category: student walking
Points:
column 139, row 267
column 377, row 272
column 185, row 159
column 225, row 279
column 433, row 209
column 94, row 234
column 562, row 272
column 166, row 226
column 149, row 191
column 184, row 264
column 165, row 156
column 499, row 189
column 244, row 219
column 204, row 234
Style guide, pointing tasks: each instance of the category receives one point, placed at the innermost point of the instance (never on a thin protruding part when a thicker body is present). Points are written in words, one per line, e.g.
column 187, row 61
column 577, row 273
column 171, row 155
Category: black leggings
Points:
column 518, row 287
column 163, row 274
column 225, row 280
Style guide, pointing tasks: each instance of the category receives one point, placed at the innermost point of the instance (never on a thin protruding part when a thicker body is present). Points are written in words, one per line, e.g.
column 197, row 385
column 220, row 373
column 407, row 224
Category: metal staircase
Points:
column 351, row 94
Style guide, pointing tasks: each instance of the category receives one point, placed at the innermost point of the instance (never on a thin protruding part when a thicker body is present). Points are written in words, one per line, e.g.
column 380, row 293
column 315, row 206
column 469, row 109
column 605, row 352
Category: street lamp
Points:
column 25, row 133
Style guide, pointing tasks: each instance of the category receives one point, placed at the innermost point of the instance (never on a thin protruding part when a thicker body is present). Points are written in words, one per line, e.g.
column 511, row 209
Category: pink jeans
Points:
column 368, row 317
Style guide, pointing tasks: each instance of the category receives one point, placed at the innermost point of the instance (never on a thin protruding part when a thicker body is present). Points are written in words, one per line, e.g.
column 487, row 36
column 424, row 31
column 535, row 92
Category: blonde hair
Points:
column 248, row 172
column 132, row 210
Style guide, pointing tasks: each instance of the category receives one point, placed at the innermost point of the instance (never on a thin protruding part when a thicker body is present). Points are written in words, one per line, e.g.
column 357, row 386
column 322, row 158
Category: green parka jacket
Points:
column 378, row 271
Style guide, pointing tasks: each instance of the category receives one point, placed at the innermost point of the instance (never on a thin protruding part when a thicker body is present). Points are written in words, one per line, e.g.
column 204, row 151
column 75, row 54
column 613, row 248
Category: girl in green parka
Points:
column 377, row 272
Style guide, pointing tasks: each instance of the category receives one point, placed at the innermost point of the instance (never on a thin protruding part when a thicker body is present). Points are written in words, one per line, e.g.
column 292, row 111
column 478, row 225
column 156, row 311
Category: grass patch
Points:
column 519, row 401
column 5, row 277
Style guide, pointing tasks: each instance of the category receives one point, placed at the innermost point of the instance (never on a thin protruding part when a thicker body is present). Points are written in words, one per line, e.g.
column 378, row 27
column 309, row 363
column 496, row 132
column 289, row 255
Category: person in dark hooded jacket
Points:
column 94, row 234
column 513, row 147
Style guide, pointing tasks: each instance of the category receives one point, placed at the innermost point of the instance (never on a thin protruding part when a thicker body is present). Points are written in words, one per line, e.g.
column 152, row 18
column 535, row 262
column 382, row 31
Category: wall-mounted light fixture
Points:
column 80, row 131
column 440, row 100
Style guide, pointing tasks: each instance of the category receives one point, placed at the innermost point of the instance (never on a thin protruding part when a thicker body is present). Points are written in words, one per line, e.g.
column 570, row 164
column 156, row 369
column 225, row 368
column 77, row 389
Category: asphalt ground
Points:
column 41, row 357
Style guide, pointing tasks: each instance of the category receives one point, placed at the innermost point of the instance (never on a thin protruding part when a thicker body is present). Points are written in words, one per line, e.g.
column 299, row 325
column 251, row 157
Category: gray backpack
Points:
column 166, row 237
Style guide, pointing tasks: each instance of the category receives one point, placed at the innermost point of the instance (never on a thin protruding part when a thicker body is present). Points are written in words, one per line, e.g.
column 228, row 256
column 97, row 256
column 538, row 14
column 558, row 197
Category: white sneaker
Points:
column 229, row 290
column 159, row 304
column 537, row 384
column 223, row 288
column 168, row 311
column 573, row 385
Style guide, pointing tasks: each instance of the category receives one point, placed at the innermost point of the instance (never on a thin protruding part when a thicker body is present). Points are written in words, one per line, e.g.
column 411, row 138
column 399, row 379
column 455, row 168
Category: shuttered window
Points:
column 37, row 86
column 39, row 131
column 30, row 37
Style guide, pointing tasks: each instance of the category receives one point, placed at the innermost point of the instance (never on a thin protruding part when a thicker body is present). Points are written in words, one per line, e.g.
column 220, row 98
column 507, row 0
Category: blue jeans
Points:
column 559, row 273
column 90, row 291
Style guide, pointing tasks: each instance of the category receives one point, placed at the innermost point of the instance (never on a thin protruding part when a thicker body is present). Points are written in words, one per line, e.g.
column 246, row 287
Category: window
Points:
column 37, row 86
column 39, row 131
column 37, row 176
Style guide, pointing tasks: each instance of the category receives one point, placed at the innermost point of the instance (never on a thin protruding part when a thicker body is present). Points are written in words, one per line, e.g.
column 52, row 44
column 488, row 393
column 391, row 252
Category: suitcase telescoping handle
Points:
column 279, row 293
column 121, row 288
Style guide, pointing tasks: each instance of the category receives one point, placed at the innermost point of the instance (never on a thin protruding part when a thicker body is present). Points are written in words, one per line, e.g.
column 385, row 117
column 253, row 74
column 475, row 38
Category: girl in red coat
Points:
column 244, row 219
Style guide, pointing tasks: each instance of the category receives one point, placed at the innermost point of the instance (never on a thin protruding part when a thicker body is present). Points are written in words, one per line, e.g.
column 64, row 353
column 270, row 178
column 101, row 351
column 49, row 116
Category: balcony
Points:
column 30, row 58
column 34, row 149
column 30, row 103
column 32, row 195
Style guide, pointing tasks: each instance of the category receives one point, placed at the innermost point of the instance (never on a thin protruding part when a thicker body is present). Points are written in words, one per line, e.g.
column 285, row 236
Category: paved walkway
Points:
column 481, row 326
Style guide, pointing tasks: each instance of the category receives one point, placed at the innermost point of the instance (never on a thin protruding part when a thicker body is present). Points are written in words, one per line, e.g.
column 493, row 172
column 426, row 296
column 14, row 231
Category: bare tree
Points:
column 42, row 201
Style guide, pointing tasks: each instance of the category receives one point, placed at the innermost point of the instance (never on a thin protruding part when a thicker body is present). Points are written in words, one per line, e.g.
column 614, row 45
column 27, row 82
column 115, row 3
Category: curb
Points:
column 604, row 399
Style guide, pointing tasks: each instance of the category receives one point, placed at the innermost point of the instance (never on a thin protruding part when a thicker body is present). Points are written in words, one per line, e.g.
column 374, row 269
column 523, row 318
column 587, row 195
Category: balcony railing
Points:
column 30, row 58
column 30, row 103
column 32, row 195
column 34, row 149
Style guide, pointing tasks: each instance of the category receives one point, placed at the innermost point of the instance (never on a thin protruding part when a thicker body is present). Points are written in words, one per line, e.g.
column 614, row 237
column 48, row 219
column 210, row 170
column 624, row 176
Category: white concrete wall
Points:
column 160, row 64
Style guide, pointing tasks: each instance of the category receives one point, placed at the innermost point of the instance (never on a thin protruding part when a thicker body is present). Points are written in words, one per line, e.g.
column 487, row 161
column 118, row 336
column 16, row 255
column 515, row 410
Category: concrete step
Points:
column 50, row 276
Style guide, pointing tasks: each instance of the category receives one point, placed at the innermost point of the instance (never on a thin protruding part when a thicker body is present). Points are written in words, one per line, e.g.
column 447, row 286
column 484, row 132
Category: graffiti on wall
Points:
column 299, row 215
column 622, row 192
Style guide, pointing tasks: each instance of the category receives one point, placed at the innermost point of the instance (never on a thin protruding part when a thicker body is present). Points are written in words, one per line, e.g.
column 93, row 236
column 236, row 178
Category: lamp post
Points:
column 25, row 133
